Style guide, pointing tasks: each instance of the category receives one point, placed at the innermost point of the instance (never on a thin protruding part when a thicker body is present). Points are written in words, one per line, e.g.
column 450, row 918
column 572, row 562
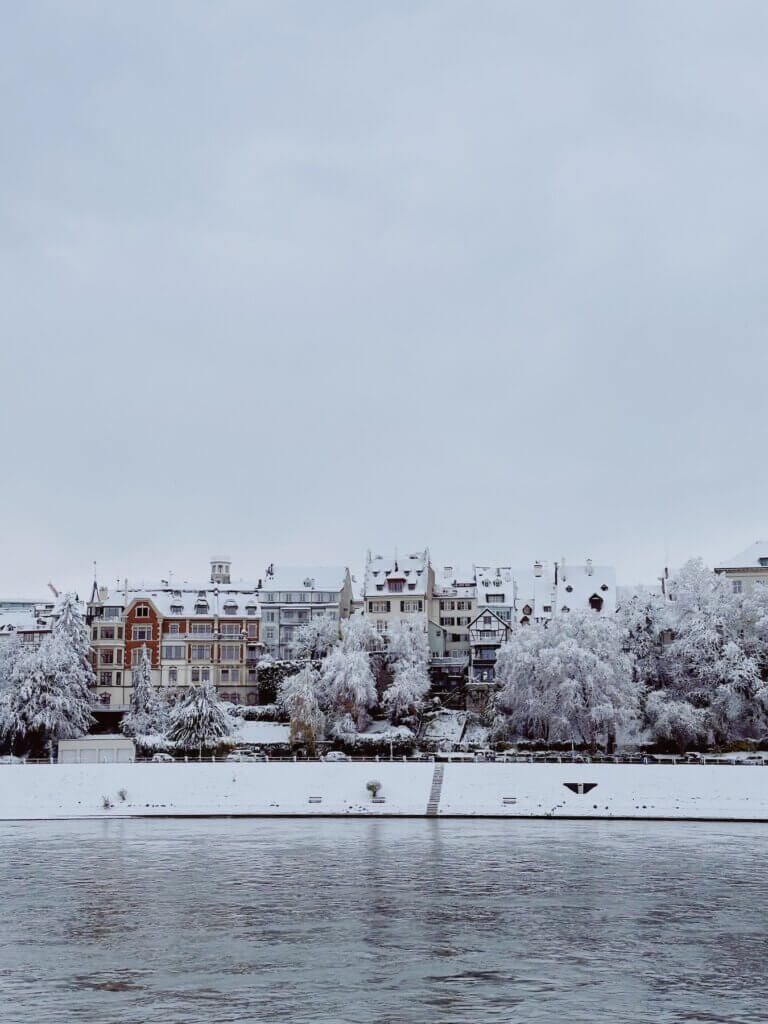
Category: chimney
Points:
column 588, row 567
column 538, row 568
column 447, row 571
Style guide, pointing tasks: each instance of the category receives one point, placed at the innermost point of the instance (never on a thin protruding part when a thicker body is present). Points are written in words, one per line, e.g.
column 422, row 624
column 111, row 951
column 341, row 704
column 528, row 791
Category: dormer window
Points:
column 250, row 609
column 201, row 608
column 142, row 611
column 596, row 603
column 177, row 609
column 763, row 562
column 230, row 608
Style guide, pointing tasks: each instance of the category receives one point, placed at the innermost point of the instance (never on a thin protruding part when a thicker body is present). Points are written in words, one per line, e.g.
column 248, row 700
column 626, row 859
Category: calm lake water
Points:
column 360, row 921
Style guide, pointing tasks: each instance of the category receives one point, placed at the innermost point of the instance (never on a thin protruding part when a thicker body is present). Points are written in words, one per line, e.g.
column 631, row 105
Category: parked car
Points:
column 10, row 759
column 754, row 759
column 245, row 755
column 161, row 758
column 336, row 755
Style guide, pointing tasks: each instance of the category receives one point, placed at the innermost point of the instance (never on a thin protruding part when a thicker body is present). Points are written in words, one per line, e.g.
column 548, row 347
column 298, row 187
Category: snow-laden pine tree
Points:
column 48, row 698
column 409, row 657
column 145, row 714
column 70, row 626
column 298, row 695
column 316, row 637
column 569, row 680
column 346, row 685
column 199, row 720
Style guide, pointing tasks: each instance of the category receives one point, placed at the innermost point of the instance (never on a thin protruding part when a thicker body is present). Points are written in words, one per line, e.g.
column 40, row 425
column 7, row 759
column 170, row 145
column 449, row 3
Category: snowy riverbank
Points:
column 452, row 790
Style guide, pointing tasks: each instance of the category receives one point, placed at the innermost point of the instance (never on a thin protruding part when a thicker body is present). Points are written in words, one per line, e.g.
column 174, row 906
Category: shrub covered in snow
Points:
column 199, row 721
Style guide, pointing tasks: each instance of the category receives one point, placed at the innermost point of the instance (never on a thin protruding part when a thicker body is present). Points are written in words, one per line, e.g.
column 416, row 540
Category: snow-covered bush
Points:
column 199, row 721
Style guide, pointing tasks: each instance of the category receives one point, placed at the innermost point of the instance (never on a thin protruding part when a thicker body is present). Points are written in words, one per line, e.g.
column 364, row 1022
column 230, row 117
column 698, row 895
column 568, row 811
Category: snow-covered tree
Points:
column 359, row 634
column 409, row 657
column 405, row 694
column 70, row 626
column 145, row 713
column 199, row 720
column 314, row 638
column 48, row 698
column 714, row 660
column 346, row 685
column 298, row 695
column 568, row 680
column 408, row 643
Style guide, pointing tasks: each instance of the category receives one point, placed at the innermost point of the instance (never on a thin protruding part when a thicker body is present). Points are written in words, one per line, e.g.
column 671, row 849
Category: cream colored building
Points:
column 398, row 588
column 747, row 569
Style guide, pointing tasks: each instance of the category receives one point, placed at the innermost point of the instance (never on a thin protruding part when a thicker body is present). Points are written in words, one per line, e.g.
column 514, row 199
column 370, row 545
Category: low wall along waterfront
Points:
column 703, row 792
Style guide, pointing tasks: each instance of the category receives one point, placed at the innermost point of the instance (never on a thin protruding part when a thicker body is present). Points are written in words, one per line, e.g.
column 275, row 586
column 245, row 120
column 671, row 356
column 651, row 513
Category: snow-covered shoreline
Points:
column 280, row 789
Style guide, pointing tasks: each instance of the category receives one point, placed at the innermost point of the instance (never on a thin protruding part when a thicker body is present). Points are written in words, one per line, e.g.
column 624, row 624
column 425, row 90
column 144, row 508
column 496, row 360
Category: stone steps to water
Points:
column 437, row 788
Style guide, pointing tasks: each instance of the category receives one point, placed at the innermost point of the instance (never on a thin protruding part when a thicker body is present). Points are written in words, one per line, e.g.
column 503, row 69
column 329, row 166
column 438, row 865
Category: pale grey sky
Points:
column 289, row 280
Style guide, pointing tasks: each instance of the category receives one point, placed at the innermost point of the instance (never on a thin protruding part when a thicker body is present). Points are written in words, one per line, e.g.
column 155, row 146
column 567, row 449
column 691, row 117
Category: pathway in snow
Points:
column 436, row 790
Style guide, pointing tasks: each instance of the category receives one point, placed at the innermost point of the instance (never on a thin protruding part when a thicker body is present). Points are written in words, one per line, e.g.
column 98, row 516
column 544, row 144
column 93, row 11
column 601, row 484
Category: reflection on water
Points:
column 387, row 921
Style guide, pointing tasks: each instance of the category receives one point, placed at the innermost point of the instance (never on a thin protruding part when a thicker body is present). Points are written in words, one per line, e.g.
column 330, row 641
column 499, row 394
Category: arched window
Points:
column 596, row 602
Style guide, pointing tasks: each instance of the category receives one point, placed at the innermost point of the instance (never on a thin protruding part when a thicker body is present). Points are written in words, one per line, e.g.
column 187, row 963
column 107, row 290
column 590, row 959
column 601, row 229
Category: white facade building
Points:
column 292, row 596
column 747, row 569
column 508, row 598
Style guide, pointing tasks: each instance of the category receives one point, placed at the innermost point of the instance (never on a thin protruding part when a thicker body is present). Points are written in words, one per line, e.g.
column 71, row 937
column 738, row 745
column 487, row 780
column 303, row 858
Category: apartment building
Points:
column 402, row 587
column 454, row 599
column 508, row 598
column 27, row 622
column 291, row 596
column 747, row 569
column 193, row 632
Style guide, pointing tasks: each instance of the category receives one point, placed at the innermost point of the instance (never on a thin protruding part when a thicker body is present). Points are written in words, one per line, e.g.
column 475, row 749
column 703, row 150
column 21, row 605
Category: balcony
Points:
column 458, row 661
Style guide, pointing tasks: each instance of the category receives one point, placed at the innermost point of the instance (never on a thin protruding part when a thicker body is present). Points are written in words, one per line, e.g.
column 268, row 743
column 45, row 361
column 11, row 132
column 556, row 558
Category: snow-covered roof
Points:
column 535, row 588
column 305, row 577
column 750, row 558
column 189, row 604
column 413, row 569
column 452, row 581
column 24, row 620
column 579, row 583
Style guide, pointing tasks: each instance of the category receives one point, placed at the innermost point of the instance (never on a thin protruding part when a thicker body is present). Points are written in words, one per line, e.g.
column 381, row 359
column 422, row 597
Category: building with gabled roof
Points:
column 401, row 587
column 747, row 569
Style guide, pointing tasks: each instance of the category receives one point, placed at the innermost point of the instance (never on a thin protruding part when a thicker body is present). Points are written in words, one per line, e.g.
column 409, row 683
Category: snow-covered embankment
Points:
column 315, row 788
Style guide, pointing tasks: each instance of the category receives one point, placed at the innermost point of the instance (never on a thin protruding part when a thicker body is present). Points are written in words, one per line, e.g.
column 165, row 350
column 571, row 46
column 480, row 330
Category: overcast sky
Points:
column 286, row 281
